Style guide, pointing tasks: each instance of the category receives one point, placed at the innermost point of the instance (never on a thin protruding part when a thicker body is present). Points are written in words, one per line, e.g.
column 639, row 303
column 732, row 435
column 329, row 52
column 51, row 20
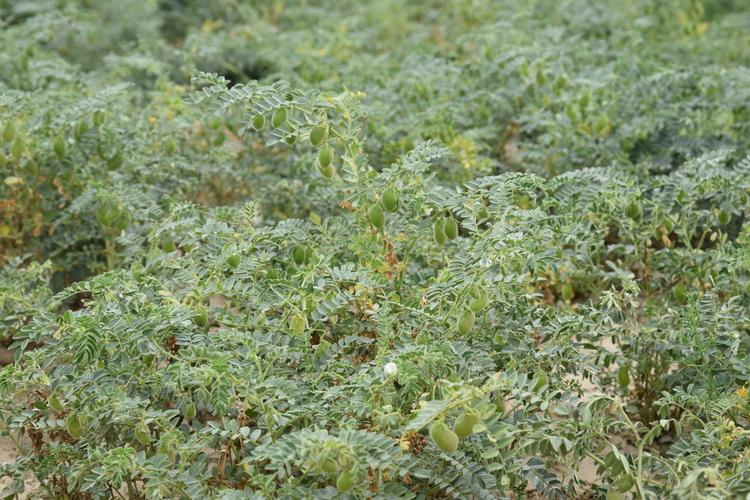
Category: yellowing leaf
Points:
column 12, row 180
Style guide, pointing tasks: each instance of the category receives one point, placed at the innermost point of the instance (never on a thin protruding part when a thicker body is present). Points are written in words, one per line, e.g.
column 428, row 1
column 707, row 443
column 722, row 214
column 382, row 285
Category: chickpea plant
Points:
column 439, row 250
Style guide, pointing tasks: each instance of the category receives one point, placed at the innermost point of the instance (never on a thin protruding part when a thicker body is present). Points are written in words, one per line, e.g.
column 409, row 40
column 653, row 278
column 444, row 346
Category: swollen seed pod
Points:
column 115, row 162
column 541, row 78
column 345, row 481
column 233, row 261
column 168, row 448
column 55, row 403
column 170, row 147
column 291, row 139
column 465, row 424
column 299, row 255
column 325, row 156
column 479, row 300
column 259, row 121
column 466, row 321
column 278, row 118
column 524, row 70
column 623, row 485
column 423, row 338
column 567, row 292
column 679, row 293
column 500, row 405
column 122, row 221
column 105, row 214
column 98, row 119
column 439, row 232
column 297, row 324
column 623, row 376
column 141, row 433
column 9, row 132
column 376, row 217
column 523, row 201
column 168, row 245
column 634, row 211
column 81, row 129
column 390, row 200
column 602, row 125
column 724, row 217
column 583, row 102
column 443, row 437
column 59, row 147
column 560, row 83
column 318, row 134
column 451, row 228
column 570, row 111
column 73, row 425
column 273, row 274
column 329, row 466
column 190, row 410
column 327, row 172
column 16, row 149
column 541, row 380
column 200, row 318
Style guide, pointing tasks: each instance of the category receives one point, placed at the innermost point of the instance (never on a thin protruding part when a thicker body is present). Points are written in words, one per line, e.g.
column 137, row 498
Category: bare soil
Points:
column 8, row 453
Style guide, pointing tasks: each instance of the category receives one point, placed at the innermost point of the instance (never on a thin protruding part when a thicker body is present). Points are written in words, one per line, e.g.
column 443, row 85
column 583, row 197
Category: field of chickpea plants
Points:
column 374, row 249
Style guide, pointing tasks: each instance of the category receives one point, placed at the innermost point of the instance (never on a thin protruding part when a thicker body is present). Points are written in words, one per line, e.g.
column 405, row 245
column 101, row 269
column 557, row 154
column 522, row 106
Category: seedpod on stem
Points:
column 390, row 200
column 258, row 122
column 325, row 156
column 318, row 134
column 200, row 318
column 438, row 232
column 9, row 132
column 376, row 217
column 59, row 147
column 327, row 172
column 233, row 261
column 345, row 481
column 299, row 255
column 479, row 299
column 278, row 118
column 451, row 228
column 466, row 322
column 465, row 423
column 443, row 437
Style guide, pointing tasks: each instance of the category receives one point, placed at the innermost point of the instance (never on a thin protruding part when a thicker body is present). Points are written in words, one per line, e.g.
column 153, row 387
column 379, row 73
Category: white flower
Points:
column 390, row 369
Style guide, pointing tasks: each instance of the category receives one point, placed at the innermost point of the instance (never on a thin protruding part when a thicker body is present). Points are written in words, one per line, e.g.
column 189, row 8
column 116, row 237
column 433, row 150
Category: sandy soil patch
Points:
column 8, row 453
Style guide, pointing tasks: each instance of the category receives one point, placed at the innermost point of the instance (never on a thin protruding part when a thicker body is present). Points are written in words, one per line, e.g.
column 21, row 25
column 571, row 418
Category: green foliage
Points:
column 452, row 249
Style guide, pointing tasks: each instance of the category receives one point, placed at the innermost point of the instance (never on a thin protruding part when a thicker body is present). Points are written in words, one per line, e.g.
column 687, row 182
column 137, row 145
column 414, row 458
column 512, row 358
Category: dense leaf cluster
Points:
column 431, row 249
